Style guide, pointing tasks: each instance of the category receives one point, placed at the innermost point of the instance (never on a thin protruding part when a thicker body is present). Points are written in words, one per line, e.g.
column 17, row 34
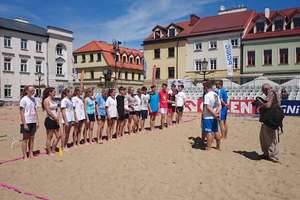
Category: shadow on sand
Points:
column 197, row 143
column 251, row 155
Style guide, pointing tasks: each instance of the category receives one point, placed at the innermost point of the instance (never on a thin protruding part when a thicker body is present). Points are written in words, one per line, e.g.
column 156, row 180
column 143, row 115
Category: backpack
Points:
column 273, row 117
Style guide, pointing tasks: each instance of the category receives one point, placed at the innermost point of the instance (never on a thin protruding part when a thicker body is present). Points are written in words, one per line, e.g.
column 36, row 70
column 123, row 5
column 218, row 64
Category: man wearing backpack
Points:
column 271, row 117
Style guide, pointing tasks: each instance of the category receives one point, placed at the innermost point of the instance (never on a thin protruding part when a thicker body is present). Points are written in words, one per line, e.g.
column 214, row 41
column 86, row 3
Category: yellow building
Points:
column 97, row 58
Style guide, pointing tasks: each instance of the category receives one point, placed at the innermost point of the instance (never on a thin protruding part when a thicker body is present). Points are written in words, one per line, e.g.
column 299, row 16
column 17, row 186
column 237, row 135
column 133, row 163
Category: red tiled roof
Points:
column 287, row 13
column 108, row 53
column 222, row 23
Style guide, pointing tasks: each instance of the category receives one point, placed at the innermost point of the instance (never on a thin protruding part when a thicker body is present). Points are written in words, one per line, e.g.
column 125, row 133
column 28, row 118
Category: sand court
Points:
column 167, row 164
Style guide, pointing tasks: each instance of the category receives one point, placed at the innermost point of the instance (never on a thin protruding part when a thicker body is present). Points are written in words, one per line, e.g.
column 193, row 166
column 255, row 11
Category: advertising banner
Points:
column 228, row 57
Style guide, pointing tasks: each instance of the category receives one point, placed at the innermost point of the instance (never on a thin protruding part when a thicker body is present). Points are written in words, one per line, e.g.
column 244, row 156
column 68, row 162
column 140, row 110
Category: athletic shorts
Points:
column 121, row 116
column 171, row 109
column 71, row 123
column 91, row 117
column 179, row 109
column 210, row 125
column 51, row 124
column 144, row 114
column 223, row 113
column 163, row 111
column 101, row 117
column 31, row 129
column 138, row 113
column 153, row 113
column 132, row 113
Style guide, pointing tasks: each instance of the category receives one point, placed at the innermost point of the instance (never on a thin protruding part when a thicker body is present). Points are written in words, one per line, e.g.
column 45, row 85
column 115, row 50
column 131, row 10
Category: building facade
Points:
column 29, row 57
column 272, row 45
column 93, row 59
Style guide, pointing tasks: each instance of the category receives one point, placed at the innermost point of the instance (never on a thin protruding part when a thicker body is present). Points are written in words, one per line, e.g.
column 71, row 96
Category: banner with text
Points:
column 228, row 57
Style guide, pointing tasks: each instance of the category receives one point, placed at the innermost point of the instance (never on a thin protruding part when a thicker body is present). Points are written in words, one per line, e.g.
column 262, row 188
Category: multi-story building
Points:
column 165, row 50
column 272, row 44
column 32, row 55
column 96, row 57
column 206, row 41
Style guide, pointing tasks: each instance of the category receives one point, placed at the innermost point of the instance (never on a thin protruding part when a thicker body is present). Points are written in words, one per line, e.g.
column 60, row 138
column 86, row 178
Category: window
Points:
column 198, row 46
column 198, row 65
column 91, row 57
column 119, row 75
column 92, row 74
column 212, row 44
column 157, row 73
column 171, row 52
column 284, row 56
column 278, row 24
column 83, row 58
column 131, row 59
column 172, row 32
column 296, row 21
column 23, row 44
column 59, row 69
column 260, row 26
column 157, row 34
column 235, row 42
column 251, row 58
column 59, row 50
column 7, row 64
column 23, row 65
column 126, row 75
column 137, row 61
column 235, row 62
column 117, row 57
column 7, row 42
column 171, row 72
column 38, row 46
column 38, row 66
column 139, row 77
column 132, row 76
column 21, row 89
column 213, row 64
column 7, row 91
column 298, row 55
column 268, row 57
column 156, row 53
column 124, row 58
column 75, row 59
column 99, row 57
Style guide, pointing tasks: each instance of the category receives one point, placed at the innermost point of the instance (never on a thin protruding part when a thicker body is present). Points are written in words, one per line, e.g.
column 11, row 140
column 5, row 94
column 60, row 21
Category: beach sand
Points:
column 167, row 164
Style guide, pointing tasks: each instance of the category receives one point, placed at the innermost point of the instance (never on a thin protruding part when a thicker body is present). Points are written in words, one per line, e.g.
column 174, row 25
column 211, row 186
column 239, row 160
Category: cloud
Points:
column 17, row 11
column 138, row 20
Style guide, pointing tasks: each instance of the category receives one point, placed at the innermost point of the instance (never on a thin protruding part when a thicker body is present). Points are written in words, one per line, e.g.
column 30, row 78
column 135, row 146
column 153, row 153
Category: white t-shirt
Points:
column 29, row 106
column 211, row 98
column 145, row 101
column 111, row 105
column 137, row 104
column 180, row 98
column 67, row 104
column 79, row 108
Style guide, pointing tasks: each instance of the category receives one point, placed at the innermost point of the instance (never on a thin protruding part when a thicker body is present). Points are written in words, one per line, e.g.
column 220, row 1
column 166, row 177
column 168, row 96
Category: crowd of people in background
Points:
column 122, row 111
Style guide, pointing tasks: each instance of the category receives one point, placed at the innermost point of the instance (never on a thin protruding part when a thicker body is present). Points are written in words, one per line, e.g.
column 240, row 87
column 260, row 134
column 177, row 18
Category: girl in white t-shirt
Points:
column 79, row 115
column 68, row 118
column 29, row 120
column 112, row 112
column 137, row 110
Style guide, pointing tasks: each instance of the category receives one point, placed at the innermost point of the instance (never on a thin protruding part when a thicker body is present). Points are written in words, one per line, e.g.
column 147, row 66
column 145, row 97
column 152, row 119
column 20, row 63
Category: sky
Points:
column 129, row 21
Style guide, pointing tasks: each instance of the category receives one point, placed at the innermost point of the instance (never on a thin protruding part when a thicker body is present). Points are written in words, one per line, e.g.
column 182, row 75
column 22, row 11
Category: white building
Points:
column 28, row 52
column 206, row 41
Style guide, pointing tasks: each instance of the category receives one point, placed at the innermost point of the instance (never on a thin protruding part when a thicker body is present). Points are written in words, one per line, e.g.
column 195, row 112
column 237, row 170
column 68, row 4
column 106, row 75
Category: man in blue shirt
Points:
column 101, row 113
column 223, row 114
column 153, row 106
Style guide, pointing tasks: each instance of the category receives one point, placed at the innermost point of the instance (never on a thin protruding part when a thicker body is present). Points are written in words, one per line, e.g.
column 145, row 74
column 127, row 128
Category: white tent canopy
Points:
column 229, row 84
column 258, row 82
column 293, row 82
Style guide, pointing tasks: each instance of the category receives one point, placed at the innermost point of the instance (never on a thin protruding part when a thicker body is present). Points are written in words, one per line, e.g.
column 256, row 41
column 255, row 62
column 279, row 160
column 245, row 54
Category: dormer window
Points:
column 157, row 34
column 278, row 24
column 296, row 21
column 172, row 32
column 124, row 58
column 260, row 26
column 137, row 60
column 131, row 59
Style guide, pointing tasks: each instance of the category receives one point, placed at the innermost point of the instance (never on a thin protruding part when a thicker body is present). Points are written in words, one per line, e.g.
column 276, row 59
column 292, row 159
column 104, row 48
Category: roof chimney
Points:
column 21, row 19
column 267, row 12
column 193, row 19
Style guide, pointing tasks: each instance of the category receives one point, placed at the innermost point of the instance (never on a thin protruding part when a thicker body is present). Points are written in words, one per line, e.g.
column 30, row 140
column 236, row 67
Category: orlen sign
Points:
column 241, row 107
column 291, row 108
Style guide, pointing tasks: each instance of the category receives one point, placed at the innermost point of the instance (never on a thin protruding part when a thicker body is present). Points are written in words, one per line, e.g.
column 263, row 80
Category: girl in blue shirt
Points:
column 90, row 110
column 101, row 113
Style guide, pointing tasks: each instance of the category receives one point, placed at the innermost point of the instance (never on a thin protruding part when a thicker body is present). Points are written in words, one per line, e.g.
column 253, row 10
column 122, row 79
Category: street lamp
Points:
column 116, row 47
column 204, row 71
column 39, row 74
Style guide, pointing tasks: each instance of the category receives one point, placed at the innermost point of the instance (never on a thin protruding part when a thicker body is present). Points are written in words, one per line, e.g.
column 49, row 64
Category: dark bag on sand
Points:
column 272, row 117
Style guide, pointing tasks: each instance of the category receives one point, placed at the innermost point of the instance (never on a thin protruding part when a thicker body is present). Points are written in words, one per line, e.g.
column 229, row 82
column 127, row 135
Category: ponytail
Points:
column 64, row 93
